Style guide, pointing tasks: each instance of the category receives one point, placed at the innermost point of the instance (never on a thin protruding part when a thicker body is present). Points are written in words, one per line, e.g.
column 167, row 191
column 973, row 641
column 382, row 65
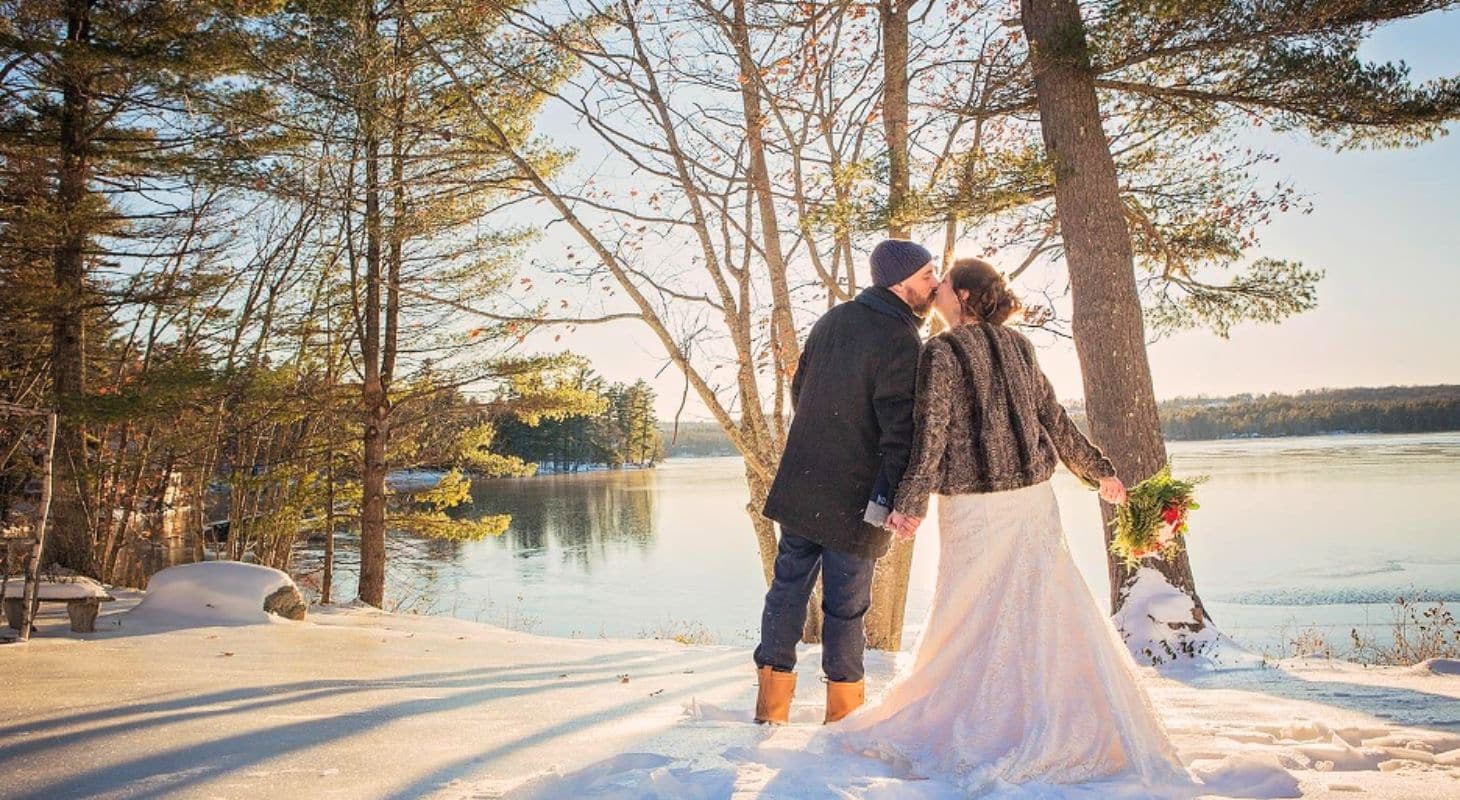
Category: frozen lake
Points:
column 1293, row 533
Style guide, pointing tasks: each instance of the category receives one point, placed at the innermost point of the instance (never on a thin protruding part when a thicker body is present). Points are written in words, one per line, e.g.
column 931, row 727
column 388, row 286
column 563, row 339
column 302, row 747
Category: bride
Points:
column 1018, row 677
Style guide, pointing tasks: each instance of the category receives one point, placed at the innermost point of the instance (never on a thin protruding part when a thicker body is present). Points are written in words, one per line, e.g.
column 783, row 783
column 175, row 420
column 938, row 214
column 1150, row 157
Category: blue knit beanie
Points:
column 895, row 260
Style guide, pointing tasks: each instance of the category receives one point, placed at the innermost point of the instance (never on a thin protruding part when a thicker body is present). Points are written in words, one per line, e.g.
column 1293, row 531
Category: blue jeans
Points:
column 846, row 596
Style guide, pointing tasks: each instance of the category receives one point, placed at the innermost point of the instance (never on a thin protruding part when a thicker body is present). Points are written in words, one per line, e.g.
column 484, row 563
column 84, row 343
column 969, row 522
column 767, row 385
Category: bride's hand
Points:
column 904, row 527
column 1112, row 491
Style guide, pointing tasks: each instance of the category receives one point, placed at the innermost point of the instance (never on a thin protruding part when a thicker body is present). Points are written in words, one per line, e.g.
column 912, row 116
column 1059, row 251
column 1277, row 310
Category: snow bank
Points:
column 1152, row 623
column 209, row 593
column 1438, row 666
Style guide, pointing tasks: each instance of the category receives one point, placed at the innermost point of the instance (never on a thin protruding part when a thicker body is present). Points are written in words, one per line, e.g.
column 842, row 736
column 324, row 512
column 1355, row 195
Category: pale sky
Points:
column 1385, row 228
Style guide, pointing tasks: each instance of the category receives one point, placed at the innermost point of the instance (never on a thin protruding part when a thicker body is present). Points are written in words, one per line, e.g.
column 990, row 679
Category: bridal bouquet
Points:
column 1154, row 517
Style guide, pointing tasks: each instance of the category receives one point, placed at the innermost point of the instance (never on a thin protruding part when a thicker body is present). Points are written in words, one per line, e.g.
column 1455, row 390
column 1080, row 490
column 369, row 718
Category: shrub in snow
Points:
column 1422, row 631
column 220, row 593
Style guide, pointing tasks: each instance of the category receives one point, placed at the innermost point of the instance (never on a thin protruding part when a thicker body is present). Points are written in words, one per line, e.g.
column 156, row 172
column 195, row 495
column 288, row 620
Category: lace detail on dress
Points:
column 1018, row 678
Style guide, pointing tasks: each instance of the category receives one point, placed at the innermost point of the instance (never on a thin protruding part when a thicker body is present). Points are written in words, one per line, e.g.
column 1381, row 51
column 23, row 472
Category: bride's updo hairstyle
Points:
column 988, row 297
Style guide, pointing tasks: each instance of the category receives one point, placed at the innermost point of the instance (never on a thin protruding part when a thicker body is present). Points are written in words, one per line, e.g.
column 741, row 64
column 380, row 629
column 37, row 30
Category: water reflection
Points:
column 564, row 529
column 584, row 517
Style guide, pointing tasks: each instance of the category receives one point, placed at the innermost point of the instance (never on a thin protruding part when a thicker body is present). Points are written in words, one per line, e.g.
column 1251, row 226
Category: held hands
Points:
column 1112, row 491
column 903, row 527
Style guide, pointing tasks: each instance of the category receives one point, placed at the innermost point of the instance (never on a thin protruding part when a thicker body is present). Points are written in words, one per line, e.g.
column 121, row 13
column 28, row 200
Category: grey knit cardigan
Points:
column 987, row 420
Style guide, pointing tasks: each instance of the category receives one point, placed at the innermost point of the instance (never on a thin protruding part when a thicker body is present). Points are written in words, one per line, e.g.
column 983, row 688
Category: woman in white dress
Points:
column 1018, row 677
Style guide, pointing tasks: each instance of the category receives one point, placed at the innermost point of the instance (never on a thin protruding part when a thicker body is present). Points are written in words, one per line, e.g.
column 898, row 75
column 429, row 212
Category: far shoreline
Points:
column 1236, row 437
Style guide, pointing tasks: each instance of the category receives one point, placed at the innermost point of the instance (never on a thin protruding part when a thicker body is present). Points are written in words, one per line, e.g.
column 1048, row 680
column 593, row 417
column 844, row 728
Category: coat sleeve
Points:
column 894, row 383
column 1079, row 453
column 936, row 381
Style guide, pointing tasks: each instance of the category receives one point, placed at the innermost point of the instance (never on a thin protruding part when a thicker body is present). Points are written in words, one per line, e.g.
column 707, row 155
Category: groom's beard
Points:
column 922, row 305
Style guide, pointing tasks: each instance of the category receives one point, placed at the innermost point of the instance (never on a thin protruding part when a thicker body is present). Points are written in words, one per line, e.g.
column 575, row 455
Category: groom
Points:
column 848, row 446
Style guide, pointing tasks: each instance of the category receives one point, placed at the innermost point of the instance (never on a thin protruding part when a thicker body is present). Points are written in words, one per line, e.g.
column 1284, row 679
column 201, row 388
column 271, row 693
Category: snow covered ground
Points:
column 357, row 703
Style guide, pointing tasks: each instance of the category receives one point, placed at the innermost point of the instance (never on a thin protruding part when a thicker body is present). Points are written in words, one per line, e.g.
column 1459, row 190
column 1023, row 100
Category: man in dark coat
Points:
column 850, row 436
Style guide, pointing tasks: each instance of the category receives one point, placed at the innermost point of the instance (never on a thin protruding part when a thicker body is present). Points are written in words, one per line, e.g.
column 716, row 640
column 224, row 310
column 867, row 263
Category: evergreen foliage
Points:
column 623, row 432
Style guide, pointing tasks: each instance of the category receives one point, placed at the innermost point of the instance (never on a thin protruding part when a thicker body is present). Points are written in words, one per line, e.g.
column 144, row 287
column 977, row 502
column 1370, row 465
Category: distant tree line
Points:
column 624, row 433
column 1394, row 409
column 1389, row 409
column 696, row 440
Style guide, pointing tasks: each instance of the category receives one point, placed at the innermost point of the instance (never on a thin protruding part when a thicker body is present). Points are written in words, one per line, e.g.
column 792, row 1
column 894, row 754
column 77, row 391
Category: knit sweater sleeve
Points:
column 1078, row 452
column 937, row 380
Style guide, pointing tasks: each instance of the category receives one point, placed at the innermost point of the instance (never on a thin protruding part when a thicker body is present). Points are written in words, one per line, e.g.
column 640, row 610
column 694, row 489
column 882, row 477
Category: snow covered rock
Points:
column 219, row 593
column 287, row 602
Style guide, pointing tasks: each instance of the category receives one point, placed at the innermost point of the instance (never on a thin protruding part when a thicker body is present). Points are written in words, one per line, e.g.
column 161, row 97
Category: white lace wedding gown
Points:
column 1018, row 677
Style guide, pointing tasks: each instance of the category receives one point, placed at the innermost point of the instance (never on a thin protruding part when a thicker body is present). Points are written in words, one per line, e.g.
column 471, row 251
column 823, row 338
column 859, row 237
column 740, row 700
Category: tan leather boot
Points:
column 843, row 698
column 773, row 701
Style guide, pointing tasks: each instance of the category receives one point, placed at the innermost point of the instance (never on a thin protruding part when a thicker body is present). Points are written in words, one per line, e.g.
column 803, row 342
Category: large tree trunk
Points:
column 889, row 597
column 889, row 584
column 71, row 545
column 1108, row 327
column 765, row 530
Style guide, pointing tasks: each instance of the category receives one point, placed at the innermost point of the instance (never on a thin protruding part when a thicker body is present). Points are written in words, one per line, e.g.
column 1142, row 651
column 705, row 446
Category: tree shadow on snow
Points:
column 175, row 769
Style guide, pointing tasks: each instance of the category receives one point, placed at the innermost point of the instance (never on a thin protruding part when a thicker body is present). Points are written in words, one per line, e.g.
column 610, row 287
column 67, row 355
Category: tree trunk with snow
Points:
column 1109, row 330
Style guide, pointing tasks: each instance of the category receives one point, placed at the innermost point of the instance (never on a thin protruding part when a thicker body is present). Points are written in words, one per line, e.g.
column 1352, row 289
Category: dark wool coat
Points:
column 852, row 427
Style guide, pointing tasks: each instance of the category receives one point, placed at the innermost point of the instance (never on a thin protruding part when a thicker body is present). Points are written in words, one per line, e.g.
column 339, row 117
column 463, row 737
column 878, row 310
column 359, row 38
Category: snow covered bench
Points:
column 82, row 596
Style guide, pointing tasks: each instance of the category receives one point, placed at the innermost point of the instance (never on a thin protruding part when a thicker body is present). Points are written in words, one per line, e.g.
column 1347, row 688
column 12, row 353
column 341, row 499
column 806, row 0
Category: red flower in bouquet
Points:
column 1172, row 514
